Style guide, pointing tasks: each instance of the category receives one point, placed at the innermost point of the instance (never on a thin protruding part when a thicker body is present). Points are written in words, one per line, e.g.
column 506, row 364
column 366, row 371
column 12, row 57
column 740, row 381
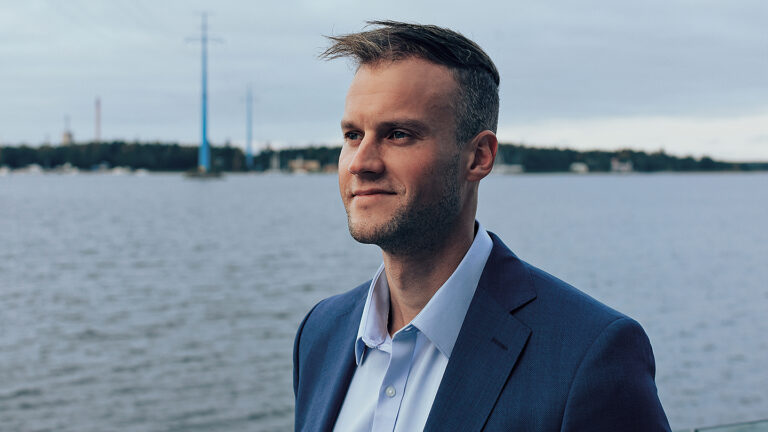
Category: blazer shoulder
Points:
column 542, row 301
column 556, row 298
column 537, row 297
column 577, row 351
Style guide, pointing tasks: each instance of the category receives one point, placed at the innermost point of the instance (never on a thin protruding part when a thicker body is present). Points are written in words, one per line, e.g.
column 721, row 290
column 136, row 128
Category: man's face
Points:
column 399, row 171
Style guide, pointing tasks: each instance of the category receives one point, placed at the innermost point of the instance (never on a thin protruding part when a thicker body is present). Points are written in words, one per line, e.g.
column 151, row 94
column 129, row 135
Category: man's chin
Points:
column 372, row 230
column 364, row 234
column 362, row 239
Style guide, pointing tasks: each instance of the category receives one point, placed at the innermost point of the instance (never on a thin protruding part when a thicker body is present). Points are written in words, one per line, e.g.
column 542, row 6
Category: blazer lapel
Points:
column 337, row 368
column 488, row 345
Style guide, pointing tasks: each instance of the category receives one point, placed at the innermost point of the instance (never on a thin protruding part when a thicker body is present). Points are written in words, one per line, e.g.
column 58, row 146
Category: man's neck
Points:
column 414, row 279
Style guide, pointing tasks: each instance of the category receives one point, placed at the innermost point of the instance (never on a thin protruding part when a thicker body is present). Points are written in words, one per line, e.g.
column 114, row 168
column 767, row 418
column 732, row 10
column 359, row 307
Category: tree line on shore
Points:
column 156, row 156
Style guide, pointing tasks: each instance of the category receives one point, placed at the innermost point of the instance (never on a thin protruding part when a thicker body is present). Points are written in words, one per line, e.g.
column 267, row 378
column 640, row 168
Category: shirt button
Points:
column 390, row 391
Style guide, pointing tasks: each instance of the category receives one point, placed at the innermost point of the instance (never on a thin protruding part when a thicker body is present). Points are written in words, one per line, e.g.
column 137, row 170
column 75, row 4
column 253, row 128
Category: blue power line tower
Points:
column 204, row 154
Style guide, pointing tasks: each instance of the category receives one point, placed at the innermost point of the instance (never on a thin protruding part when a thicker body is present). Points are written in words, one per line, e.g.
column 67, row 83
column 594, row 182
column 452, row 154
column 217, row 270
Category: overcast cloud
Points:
column 686, row 76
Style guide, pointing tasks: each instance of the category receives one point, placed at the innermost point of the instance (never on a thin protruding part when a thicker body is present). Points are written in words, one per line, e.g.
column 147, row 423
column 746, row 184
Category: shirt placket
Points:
column 394, row 382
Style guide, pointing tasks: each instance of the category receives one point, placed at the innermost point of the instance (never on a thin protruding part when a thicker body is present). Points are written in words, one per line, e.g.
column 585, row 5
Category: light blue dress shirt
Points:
column 397, row 376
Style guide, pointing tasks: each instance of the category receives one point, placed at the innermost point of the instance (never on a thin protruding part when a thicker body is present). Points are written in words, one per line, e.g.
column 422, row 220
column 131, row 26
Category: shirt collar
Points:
column 441, row 318
column 373, row 324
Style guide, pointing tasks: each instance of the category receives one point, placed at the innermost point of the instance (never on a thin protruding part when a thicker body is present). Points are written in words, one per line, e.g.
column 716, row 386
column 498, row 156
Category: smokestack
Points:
column 97, row 131
column 67, row 137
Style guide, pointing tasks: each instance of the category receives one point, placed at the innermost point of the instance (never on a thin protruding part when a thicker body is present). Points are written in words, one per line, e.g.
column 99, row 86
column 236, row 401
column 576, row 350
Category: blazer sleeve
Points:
column 613, row 388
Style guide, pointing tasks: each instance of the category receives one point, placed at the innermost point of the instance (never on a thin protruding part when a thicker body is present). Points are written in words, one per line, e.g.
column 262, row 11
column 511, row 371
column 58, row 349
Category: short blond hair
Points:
column 477, row 101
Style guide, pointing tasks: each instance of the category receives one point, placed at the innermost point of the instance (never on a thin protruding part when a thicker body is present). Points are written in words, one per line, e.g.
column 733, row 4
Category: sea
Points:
column 160, row 303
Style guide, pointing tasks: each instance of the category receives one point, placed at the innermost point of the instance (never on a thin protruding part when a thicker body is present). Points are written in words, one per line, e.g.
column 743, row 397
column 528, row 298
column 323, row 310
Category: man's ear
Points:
column 482, row 154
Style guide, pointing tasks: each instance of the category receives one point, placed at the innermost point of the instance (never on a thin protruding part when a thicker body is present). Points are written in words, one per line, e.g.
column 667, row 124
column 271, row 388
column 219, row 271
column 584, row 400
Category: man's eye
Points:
column 399, row 135
column 352, row 136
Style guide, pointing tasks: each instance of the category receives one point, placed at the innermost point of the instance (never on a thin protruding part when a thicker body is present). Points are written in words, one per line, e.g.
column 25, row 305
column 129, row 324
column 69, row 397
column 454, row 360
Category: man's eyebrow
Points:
column 415, row 126
column 412, row 125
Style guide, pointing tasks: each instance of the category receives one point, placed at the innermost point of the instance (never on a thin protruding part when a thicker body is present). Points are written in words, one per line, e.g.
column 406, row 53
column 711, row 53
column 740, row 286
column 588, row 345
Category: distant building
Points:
column 30, row 169
column 508, row 168
column 300, row 165
column 579, row 168
column 66, row 168
column 502, row 167
column 619, row 166
column 274, row 162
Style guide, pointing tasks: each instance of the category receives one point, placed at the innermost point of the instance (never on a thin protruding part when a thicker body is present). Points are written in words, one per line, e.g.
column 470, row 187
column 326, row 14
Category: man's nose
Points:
column 367, row 158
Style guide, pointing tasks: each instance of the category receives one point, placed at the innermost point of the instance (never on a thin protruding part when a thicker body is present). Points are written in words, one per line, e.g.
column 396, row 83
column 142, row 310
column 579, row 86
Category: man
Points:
column 454, row 332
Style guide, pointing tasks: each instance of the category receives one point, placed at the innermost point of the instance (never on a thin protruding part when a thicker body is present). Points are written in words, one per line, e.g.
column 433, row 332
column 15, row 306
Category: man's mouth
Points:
column 371, row 192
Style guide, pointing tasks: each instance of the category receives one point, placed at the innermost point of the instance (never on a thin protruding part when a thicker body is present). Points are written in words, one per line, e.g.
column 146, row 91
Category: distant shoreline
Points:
column 171, row 157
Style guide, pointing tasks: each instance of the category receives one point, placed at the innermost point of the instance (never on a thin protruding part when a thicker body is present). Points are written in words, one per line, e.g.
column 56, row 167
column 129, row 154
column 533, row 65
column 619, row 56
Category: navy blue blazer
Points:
column 533, row 354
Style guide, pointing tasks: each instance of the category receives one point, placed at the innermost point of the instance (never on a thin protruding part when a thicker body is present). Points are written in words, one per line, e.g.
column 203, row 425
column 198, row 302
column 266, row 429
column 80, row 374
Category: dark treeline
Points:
column 535, row 159
column 174, row 157
column 150, row 156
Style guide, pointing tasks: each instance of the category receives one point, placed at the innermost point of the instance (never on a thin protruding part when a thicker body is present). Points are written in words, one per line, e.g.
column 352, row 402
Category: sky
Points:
column 686, row 77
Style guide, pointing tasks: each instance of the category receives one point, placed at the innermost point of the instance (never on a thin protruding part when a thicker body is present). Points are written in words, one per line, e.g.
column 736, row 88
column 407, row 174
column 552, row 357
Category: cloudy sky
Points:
column 689, row 77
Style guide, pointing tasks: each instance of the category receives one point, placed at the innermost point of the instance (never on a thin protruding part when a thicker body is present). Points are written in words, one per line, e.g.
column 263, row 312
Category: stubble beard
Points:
column 417, row 228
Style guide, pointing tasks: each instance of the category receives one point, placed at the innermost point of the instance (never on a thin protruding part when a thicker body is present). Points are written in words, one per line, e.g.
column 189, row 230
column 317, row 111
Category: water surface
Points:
column 158, row 303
